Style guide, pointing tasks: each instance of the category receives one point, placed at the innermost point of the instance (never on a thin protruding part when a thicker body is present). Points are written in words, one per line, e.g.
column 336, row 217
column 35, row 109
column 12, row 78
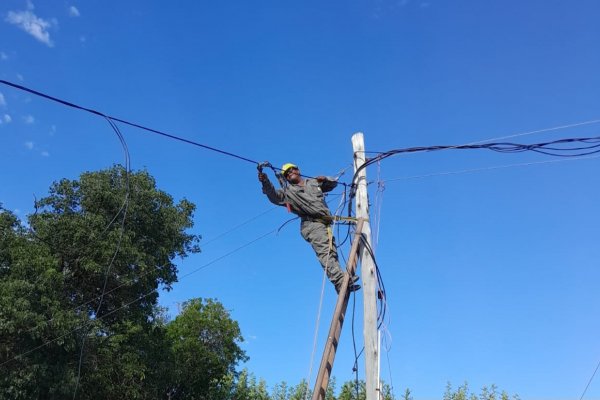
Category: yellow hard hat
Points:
column 287, row 166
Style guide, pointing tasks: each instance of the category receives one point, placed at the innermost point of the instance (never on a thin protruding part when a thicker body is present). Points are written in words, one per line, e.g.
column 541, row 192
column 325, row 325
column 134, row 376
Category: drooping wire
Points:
column 124, row 208
column 123, row 121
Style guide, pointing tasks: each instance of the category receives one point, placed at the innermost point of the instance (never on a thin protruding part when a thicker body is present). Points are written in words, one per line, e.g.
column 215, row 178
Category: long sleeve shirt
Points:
column 306, row 201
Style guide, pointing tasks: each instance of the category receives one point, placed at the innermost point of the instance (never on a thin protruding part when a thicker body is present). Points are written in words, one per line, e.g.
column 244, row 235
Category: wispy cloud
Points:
column 74, row 12
column 29, row 145
column 6, row 118
column 28, row 119
column 20, row 77
column 45, row 154
column 32, row 24
column 3, row 56
column 2, row 100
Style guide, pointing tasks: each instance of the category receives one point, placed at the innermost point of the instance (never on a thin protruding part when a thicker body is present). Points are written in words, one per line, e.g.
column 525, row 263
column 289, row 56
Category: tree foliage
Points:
column 463, row 392
column 204, row 346
column 78, row 296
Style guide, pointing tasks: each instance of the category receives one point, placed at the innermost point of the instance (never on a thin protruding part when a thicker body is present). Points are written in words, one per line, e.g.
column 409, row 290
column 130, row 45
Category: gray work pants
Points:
column 315, row 233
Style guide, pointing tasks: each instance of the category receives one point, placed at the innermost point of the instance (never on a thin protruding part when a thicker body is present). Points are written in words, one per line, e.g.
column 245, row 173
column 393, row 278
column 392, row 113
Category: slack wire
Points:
column 124, row 209
column 133, row 124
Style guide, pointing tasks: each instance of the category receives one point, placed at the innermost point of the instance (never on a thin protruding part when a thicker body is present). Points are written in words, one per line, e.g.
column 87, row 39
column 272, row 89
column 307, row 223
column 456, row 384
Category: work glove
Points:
column 321, row 179
column 262, row 177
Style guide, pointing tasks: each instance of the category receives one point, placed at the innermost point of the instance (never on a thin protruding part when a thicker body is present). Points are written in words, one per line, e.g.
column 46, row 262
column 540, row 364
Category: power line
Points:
column 123, row 121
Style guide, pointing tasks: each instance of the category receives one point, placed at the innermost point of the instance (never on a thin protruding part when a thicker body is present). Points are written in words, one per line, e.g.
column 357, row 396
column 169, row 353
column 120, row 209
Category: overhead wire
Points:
column 126, row 122
column 184, row 276
column 136, row 125
column 547, row 148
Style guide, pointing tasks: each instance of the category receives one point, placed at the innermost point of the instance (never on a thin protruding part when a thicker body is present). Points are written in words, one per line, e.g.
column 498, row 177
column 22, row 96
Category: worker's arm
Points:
column 326, row 183
column 275, row 196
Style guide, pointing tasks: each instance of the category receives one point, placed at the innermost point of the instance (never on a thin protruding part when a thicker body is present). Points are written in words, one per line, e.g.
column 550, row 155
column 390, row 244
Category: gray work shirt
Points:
column 307, row 201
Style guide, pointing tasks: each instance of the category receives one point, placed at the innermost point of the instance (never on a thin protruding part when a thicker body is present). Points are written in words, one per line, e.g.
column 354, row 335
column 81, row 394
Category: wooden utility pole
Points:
column 368, row 273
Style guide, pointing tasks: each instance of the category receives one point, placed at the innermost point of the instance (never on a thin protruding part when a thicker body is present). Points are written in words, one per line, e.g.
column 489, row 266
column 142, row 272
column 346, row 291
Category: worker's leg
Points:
column 316, row 234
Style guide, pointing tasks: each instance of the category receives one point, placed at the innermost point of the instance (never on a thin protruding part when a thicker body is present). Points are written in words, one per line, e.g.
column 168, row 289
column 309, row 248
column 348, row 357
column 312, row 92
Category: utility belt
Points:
column 328, row 219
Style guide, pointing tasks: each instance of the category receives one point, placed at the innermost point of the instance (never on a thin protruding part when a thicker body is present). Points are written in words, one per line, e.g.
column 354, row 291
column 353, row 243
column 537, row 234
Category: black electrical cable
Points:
column 133, row 124
column 546, row 148
column 123, row 210
column 382, row 296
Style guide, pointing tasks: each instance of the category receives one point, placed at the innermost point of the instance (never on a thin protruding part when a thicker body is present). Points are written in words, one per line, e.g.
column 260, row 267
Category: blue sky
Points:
column 491, row 275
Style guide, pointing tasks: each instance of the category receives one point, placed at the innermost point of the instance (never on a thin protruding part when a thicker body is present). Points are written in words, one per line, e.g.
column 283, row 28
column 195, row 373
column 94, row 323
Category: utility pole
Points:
column 368, row 273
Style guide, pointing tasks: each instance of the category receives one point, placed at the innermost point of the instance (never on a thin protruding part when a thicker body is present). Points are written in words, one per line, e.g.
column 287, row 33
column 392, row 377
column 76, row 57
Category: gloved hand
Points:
column 262, row 177
column 321, row 179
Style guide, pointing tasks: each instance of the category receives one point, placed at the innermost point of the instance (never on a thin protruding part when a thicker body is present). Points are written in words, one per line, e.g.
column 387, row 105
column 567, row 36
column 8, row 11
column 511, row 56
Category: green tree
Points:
column 204, row 344
column 83, row 280
column 300, row 392
column 349, row 391
column 463, row 392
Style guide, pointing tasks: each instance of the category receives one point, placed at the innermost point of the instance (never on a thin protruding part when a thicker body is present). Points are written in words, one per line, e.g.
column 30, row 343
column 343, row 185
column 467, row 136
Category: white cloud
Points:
column 3, row 56
column 32, row 24
column 29, row 145
column 29, row 119
column 74, row 12
column 82, row 39
column 7, row 118
column 45, row 154
column 2, row 100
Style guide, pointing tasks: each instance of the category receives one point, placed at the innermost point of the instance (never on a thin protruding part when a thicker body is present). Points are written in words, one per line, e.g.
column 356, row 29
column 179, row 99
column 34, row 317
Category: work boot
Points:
column 352, row 286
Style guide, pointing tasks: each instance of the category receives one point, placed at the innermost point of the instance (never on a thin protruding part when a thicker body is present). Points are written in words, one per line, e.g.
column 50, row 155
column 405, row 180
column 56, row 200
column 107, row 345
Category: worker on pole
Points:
column 304, row 197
